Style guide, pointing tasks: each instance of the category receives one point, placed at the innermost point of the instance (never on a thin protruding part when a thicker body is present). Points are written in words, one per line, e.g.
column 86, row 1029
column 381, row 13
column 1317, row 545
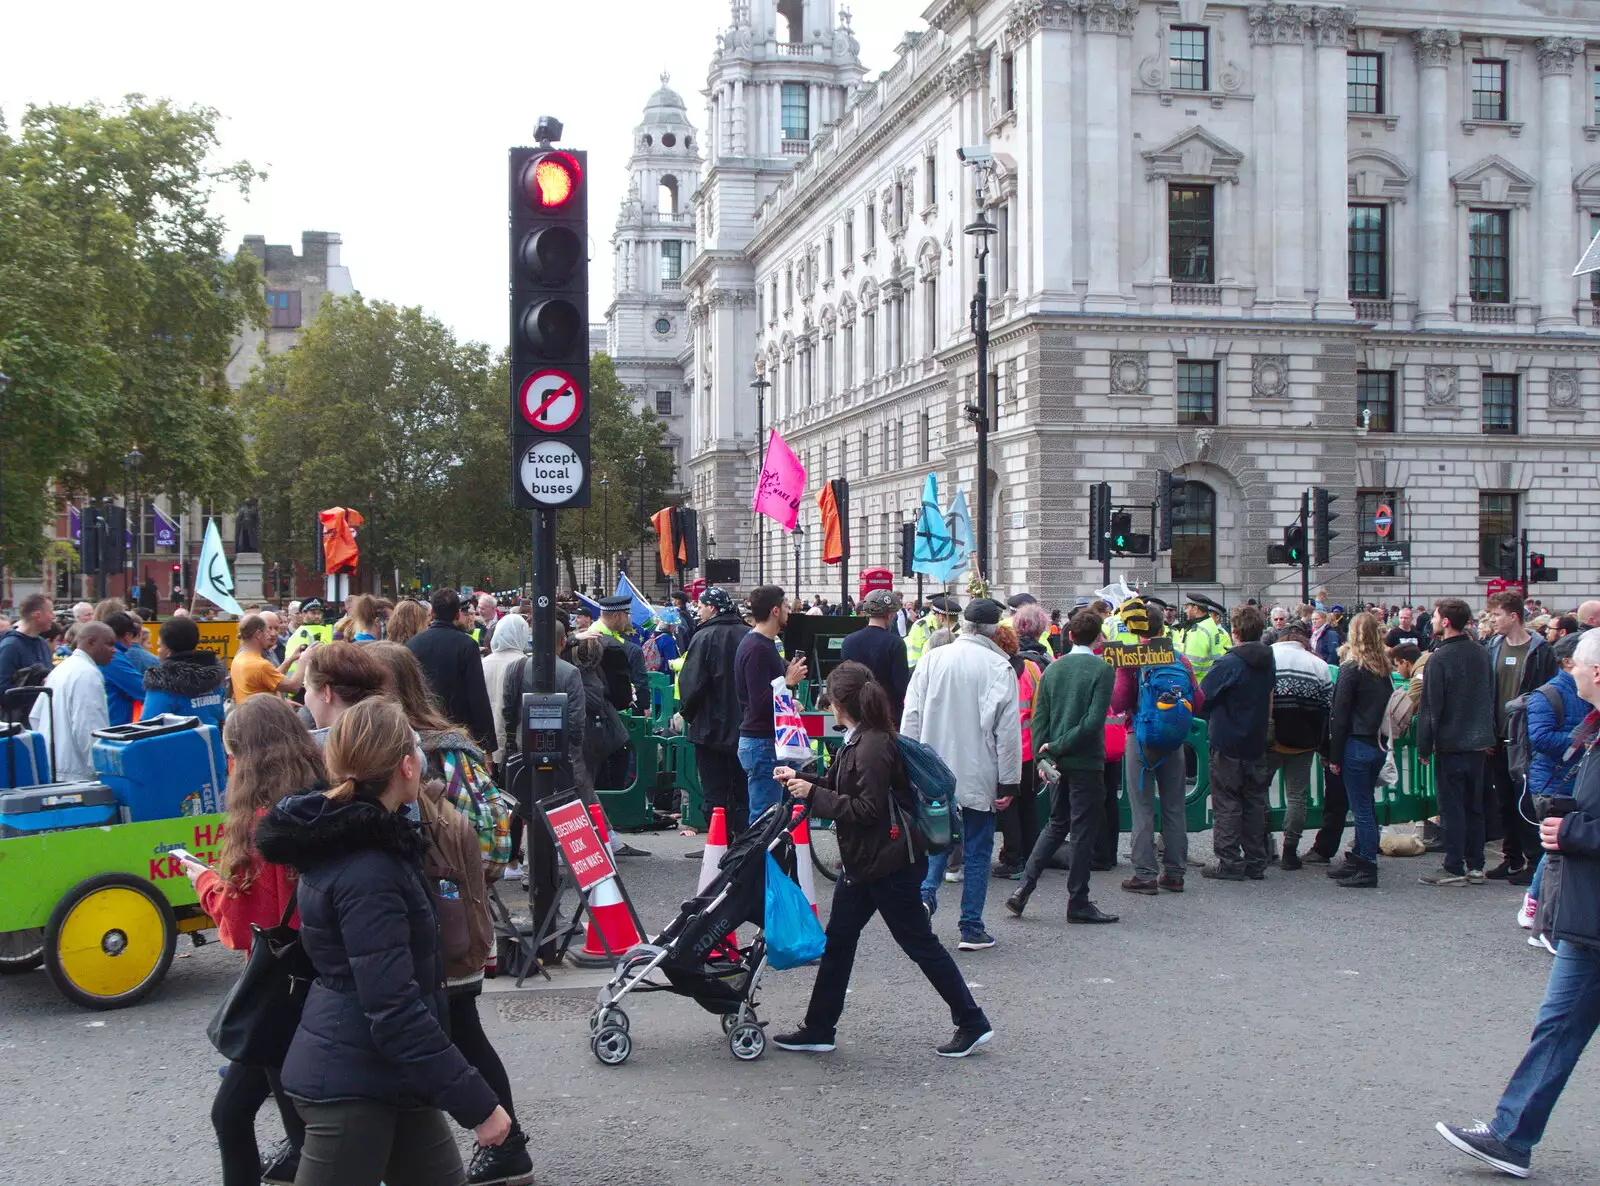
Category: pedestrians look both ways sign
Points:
column 550, row 440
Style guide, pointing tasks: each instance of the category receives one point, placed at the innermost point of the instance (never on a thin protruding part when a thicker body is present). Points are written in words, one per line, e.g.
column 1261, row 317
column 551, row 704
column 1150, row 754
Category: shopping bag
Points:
column 257, row 1019
column 793, row 934
column 788, row 729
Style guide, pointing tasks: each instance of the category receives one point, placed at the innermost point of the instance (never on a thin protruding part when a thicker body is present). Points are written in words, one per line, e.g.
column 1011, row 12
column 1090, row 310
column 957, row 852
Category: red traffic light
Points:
column 551, row 180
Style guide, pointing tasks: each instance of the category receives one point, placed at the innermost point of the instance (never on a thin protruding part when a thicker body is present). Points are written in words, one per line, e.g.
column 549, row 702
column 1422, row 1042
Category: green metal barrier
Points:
column 630, row 806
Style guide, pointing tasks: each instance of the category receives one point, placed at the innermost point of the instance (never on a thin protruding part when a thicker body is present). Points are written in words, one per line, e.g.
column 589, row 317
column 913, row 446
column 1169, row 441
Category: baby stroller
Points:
column 693, row 956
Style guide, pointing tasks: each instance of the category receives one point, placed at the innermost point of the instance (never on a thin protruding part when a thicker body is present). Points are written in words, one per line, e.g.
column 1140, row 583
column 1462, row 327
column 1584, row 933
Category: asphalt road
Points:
column 1278, row 1032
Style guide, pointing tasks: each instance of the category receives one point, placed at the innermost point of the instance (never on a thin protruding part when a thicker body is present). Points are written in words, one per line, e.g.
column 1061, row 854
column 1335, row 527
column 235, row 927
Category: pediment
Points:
column 1194, row 154
column 1493, row 180
column 1378, row 174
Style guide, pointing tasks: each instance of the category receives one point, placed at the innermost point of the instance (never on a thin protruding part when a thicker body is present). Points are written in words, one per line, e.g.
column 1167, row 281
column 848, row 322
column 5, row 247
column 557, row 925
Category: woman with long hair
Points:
column 457, row 781
column 410, row 618
column 371, row 1064
column 1019, row 823
column 1360, row 700
column 362, row 611
column 339, row 676
column 867, row 794
column 273, row 758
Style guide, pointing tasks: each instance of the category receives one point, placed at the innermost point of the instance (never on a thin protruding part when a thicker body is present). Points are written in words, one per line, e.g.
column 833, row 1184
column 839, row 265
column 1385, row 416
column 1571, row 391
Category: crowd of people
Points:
column 369, row 756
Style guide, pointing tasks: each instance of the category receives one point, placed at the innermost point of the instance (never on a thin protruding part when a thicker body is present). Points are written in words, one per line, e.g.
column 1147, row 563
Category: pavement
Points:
column 1284, row 1031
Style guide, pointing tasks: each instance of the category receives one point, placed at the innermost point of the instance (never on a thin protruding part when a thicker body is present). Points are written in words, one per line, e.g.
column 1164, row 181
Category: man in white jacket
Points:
column 963, row 703
column 79, row 705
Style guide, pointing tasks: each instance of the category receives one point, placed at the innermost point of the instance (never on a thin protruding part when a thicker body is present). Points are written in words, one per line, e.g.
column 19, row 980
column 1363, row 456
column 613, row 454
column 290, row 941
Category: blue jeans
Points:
column 759, row 757
column 977, row 846
column 1538, row 878
column 1359, row 769
column 1567, row 1020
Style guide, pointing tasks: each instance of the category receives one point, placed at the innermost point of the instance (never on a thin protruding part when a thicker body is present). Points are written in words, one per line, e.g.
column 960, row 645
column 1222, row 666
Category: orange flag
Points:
column 662, row 521
column 832, row 534
column 339, row 550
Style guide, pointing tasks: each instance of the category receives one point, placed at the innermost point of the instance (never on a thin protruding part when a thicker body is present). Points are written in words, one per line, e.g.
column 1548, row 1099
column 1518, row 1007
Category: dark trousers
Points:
column 243, row 1090
column 1520, row 839
column 1019, row 823
column 1105, row 841
column 365, row 1143
column 1239, row 789
column 1335, row 806
column 724, row 784
column 1458, row 785
column 612, row 773
column 897, row 897
column 1076, row 807
column 466, row 1031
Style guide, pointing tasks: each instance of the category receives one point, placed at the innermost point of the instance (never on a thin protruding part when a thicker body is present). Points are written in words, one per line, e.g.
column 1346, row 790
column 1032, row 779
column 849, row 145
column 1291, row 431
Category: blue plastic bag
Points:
column 794, row 936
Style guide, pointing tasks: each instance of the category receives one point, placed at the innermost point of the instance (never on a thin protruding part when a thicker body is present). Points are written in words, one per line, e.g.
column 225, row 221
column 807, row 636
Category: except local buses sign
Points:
column 552, row 473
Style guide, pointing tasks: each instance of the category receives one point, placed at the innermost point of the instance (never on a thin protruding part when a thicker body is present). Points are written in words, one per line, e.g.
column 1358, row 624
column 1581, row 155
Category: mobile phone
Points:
column 799, row 654
column 187, row 857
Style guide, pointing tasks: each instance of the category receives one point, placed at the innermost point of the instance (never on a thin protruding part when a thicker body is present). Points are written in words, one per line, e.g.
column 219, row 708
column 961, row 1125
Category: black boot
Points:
column 1291, row 857
column 505, row 1164
column 1364, row 874
column 1018, row 901
column 1339, row 870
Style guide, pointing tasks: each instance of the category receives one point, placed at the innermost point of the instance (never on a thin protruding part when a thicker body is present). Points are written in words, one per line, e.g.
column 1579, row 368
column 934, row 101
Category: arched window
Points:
column 667, row 201
column 1194, row 533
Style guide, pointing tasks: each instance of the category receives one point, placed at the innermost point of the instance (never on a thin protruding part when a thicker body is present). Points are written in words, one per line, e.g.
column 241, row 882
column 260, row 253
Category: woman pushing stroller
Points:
column 867, row 794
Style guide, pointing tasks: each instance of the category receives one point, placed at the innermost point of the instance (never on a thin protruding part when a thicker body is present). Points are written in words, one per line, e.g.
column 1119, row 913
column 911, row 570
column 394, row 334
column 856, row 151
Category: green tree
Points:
column 118, row 307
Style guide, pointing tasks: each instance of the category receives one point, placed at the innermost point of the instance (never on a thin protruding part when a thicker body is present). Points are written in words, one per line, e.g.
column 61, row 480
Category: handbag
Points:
column 793, row 935
column 257, row 1019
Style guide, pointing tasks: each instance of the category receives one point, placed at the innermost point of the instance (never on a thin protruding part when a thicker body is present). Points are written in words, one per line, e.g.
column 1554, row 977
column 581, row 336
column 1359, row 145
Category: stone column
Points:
column 1558, row 237
column 1331, row 26
column 1436, row 248
column 1285, row 29
column 1106, row 24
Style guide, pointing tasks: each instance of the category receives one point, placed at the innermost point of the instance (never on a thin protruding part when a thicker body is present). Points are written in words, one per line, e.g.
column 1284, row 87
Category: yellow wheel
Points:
column 109, row 941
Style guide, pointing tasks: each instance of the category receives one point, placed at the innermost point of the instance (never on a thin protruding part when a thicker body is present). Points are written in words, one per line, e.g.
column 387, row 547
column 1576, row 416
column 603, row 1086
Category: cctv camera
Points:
column 976, row 154
column 547, row 130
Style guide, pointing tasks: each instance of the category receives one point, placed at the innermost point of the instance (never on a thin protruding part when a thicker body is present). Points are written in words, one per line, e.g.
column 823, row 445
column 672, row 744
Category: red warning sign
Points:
column 551, row 400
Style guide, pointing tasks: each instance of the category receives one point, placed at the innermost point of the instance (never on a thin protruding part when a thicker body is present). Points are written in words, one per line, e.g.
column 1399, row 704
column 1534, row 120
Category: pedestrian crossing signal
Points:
column 1294, row 544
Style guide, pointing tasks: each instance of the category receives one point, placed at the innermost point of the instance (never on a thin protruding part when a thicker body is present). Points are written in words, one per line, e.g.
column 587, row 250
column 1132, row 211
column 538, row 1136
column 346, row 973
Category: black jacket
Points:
column 1456, row 715
column 1360, row 699
column 856, row 793
column 373, row 1026
column 1032, row 648
column 454, row 668
column 883, row 652
column 1577, row 903
column 707, row 695
column 1238, row 701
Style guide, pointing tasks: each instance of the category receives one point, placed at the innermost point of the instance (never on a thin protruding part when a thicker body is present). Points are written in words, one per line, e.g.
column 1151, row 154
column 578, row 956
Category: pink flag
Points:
column 783, row 481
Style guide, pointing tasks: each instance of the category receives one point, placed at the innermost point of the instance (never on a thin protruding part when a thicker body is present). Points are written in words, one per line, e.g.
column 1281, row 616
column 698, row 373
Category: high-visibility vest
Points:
column 1027, row 685
column 917, row 638
column 1203, row 642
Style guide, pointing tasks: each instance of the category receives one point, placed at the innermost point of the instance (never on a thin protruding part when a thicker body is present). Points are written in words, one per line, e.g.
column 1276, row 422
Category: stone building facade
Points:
column 295, row 288
column 1265, row 246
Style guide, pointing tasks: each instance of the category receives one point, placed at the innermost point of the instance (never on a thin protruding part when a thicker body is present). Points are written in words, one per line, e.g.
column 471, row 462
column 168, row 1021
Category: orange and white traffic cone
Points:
column 716, row 846
column 608, row 913
column 802, row 860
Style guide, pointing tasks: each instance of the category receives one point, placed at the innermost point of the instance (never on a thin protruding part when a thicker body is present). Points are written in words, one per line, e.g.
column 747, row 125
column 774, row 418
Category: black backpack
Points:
column 1519, row 752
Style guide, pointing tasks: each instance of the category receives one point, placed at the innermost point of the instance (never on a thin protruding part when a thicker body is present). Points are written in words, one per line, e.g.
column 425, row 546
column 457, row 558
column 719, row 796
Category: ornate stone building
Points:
column 1266, row 246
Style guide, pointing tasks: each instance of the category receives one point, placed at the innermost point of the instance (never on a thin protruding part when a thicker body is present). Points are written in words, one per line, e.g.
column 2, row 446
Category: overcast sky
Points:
column 389, row 125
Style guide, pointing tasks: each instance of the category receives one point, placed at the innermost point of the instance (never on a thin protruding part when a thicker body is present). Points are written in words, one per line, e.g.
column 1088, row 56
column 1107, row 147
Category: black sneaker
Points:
column 804, row 1042
column 505, row 1164
column 964, row 1042
column 975, row 941
column 1523, row 877
column 1221, row 872
column 1443, row 876
column 1505, row 869
column 1313, row 857
column 280, row 1166
column 1479, row 1142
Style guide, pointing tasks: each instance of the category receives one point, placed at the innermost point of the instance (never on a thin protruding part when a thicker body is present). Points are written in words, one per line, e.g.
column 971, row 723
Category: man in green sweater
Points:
column 1069, row 724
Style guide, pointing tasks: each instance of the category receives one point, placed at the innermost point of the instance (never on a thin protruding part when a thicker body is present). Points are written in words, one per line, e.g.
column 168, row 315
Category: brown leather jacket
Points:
column 454, row 855
column 856, row 792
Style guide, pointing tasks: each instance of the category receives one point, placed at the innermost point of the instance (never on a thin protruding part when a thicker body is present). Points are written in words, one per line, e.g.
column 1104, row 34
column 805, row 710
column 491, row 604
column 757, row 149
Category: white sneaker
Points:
column 953, row 874
column 1544, row 942
column 1526, row 913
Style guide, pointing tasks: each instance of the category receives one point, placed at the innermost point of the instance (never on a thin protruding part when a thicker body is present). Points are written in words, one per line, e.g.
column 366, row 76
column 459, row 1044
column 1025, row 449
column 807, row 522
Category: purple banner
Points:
column 75, row 526
column 166, row 530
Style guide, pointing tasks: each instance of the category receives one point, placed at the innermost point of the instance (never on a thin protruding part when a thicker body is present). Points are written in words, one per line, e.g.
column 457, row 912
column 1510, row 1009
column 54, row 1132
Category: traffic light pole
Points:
column 1522, row 560
column 1305, row 547
column 1105, row 536
column 544, row 627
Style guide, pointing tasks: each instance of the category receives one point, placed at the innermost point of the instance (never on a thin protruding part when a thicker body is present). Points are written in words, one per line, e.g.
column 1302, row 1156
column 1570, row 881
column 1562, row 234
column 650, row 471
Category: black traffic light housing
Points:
column 1121, row 530
column 1294, row 543
column 1509, row 569
column 1322, row 516
column 1166, row 502
column 1538, row 571
column 1099, row 520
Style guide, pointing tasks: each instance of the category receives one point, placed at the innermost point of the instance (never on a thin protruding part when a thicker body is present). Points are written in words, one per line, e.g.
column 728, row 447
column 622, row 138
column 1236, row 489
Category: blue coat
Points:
column 1549, row 739
column 187, row 684
column 124, row 685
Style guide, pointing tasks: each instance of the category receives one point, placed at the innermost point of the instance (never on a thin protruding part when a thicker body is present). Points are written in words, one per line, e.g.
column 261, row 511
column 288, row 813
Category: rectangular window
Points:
column 663, row 403
column 1008, row 83
column 1489, row 256
column 849, row 239
column 671, row 260
column 1364, row 83
column 1497, row 524
column 1197, row 392
column 869, row 343
column 788, row 287
column 847, row 377
column 1596, row 120
column 1375, row 400
column 1369, row 252
column 1190, row 52
column 925, row 444
column 796, row 112
column 1488, row 89
column 1191, row 231
column 827, row 256
column 283, row 308
column 1594, row 277
column 1500, row 404
column 932, row 171
column 872, row 227
column 1367, row 504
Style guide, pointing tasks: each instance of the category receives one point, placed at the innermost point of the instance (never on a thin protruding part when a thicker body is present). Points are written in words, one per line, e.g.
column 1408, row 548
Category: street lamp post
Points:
column 605, row 531
column 638, row 464
column 4, row 383
column 132, row 462
column 760, row 387
column 799, row 532
column 981, row 229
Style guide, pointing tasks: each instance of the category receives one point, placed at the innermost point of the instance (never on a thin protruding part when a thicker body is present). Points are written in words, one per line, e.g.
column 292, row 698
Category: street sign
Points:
column 1501, row 585
column 550, row 400
column 1388, row 553
column 586, row 855
column 1383, row 521
column 552, row 474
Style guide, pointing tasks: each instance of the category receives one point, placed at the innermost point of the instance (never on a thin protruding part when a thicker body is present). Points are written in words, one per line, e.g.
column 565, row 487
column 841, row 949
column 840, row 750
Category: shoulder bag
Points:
column 257, row 1019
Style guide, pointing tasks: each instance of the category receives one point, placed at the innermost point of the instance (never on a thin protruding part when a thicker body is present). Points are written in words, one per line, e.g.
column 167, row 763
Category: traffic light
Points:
column 1294, row 544
column 1277, row 554
column 1097, row 510
column 908, row 548
column 549, row 419
column 1538, row 572
column 1508, row 559
column 1321, row 516
column 1121, row 530
column 1166, row 498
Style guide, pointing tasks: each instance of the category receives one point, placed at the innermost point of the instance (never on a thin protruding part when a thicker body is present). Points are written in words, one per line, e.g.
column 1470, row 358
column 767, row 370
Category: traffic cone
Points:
column 598, row 815
column 802, row 860
column 607, row 912
column 716, row 846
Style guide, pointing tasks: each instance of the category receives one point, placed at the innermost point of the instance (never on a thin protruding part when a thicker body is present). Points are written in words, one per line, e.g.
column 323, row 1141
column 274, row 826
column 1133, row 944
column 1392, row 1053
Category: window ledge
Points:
column 1008, row 118
column 929, row 212
column 1168, row 95
column 1552, row 412
column 1591, row 132
column 1469, row 126
column 1375, row 117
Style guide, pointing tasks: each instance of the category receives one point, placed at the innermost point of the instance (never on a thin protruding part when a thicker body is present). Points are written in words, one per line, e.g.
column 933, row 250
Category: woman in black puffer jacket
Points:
column 371, row 1066
column 868, row 796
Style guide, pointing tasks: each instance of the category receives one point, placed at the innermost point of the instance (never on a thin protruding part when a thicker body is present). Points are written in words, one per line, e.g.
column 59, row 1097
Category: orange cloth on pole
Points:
column 339, row 550
column 662, row 520
column 832, row 537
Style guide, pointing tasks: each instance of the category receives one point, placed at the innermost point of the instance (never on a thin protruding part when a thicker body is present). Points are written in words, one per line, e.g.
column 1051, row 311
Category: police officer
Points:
column 1201, row 639
column 942, row 612
column 310, row 629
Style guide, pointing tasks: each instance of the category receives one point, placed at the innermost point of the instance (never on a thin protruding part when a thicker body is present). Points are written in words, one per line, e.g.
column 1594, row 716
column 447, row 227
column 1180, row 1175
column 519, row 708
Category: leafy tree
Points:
column 118, row 307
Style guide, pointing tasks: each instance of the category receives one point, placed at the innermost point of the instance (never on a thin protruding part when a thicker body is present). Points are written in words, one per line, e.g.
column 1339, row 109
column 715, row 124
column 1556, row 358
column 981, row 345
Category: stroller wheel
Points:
column 608, row 1017
column 729, row 1020
column 611, row 1045
column 748, row 1041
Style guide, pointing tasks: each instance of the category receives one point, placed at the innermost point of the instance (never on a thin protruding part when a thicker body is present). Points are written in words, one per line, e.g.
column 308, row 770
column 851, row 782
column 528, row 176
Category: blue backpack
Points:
column 1165, row 712
column 933, row 788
